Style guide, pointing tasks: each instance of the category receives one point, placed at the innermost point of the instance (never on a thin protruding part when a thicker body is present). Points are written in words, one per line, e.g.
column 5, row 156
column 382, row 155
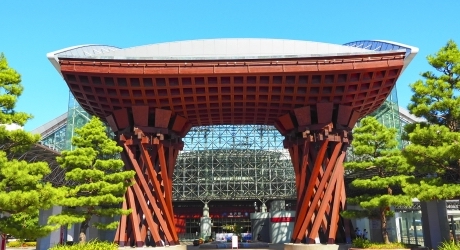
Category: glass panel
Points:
column 234, row 162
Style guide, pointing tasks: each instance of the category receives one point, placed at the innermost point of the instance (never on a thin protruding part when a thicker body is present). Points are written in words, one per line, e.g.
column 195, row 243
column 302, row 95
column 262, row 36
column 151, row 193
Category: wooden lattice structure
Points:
column 313, row 101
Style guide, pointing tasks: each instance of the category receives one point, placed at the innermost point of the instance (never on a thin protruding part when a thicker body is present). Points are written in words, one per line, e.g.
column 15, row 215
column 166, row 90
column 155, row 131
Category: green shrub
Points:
column 92, row 245
column 31, row 244
column 449, row 245
column 393, row 245
column 362, row 243
column 14, row 244
column 21, row 244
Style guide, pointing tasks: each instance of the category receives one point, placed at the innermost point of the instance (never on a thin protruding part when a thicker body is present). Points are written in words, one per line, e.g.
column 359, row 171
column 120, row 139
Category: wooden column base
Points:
column 151, row 141
column 317, row 137
column 320, row 187
column 150, row 198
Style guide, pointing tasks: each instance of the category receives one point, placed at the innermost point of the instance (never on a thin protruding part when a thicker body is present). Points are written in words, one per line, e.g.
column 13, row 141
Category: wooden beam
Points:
column 134, row 219
column 169, row 227
column 120, row 235
column 338, row 173
column 147, row 212
column 299, row 234
column 320, row 190
column 147, row 190
column 336, row 207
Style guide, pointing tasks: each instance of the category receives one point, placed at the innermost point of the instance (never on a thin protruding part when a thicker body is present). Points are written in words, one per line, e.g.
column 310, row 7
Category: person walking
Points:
column 358, row 233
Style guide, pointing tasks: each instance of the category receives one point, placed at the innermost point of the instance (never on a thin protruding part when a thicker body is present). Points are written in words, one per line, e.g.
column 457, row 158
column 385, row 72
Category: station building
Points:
column 248, row 149
column 234, row 174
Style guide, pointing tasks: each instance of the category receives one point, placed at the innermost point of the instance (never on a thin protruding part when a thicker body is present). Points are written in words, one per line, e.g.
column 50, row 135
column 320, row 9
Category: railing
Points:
column 412, row 240
column 382, row 56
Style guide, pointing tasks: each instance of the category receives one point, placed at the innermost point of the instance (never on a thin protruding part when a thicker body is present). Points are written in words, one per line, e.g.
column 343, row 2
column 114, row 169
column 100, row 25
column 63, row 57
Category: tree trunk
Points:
column 383, row 223
column 83, row 227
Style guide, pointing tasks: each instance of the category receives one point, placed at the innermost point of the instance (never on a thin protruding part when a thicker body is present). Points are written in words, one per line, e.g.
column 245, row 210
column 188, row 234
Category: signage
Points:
column 282, row 219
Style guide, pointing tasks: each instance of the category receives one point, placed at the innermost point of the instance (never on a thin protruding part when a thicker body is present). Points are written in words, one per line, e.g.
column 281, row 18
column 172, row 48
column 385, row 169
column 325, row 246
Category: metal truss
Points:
column 218, row 162
column 53, row 133
column 233, row 162
column 225, row 162
column 40, row 153
column 56, row 140
column 76, row 118
column 388, row 115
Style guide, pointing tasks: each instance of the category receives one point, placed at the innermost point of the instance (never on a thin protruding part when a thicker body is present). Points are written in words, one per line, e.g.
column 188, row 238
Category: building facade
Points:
column 234, row 170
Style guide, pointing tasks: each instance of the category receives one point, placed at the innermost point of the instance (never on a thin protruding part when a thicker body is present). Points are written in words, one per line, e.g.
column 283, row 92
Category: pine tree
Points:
column 22, row 189
column 434, row 146
column 25, row 226
column 100, row 181
column 380, row 172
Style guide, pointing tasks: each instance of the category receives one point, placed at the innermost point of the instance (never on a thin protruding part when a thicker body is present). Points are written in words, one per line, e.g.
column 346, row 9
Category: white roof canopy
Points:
column 215, row 49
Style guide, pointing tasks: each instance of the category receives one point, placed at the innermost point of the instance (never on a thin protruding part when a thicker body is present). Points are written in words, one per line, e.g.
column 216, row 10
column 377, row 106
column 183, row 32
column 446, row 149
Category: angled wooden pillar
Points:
column 151, row 140
column 317, row 138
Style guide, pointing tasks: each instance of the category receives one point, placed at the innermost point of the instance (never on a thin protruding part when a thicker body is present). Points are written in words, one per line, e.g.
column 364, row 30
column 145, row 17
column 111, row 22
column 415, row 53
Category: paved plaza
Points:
column 190, row 246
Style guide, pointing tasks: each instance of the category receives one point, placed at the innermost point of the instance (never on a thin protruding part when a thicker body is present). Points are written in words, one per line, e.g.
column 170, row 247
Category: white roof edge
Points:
column 224, row 49
column 220, row 49
column 55, row 60
column 232, row 38
column 70, row 48
column 413, row 52
column 408, row 116
column 50, row 124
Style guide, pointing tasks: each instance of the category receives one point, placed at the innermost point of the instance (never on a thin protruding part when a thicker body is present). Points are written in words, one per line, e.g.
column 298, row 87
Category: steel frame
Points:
column 76, row 118
column 233, row 162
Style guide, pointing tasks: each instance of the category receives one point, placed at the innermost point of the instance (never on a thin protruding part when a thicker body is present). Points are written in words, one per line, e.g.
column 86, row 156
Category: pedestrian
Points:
column 365, row 234
column 358, row 233
column 149, row 238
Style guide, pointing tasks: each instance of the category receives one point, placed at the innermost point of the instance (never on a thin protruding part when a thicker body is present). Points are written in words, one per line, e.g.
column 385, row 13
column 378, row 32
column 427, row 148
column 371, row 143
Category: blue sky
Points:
column 30, row 29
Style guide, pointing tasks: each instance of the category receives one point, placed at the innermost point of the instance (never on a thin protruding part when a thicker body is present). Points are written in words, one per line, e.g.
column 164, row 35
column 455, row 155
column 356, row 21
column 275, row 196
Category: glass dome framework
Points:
column 233, row 162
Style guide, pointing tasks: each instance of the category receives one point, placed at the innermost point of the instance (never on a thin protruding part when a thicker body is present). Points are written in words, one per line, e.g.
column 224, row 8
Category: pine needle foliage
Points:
column 380, row 168
column 435, row 145
column 22, row 189
column 10, row 84
column 100, row 180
